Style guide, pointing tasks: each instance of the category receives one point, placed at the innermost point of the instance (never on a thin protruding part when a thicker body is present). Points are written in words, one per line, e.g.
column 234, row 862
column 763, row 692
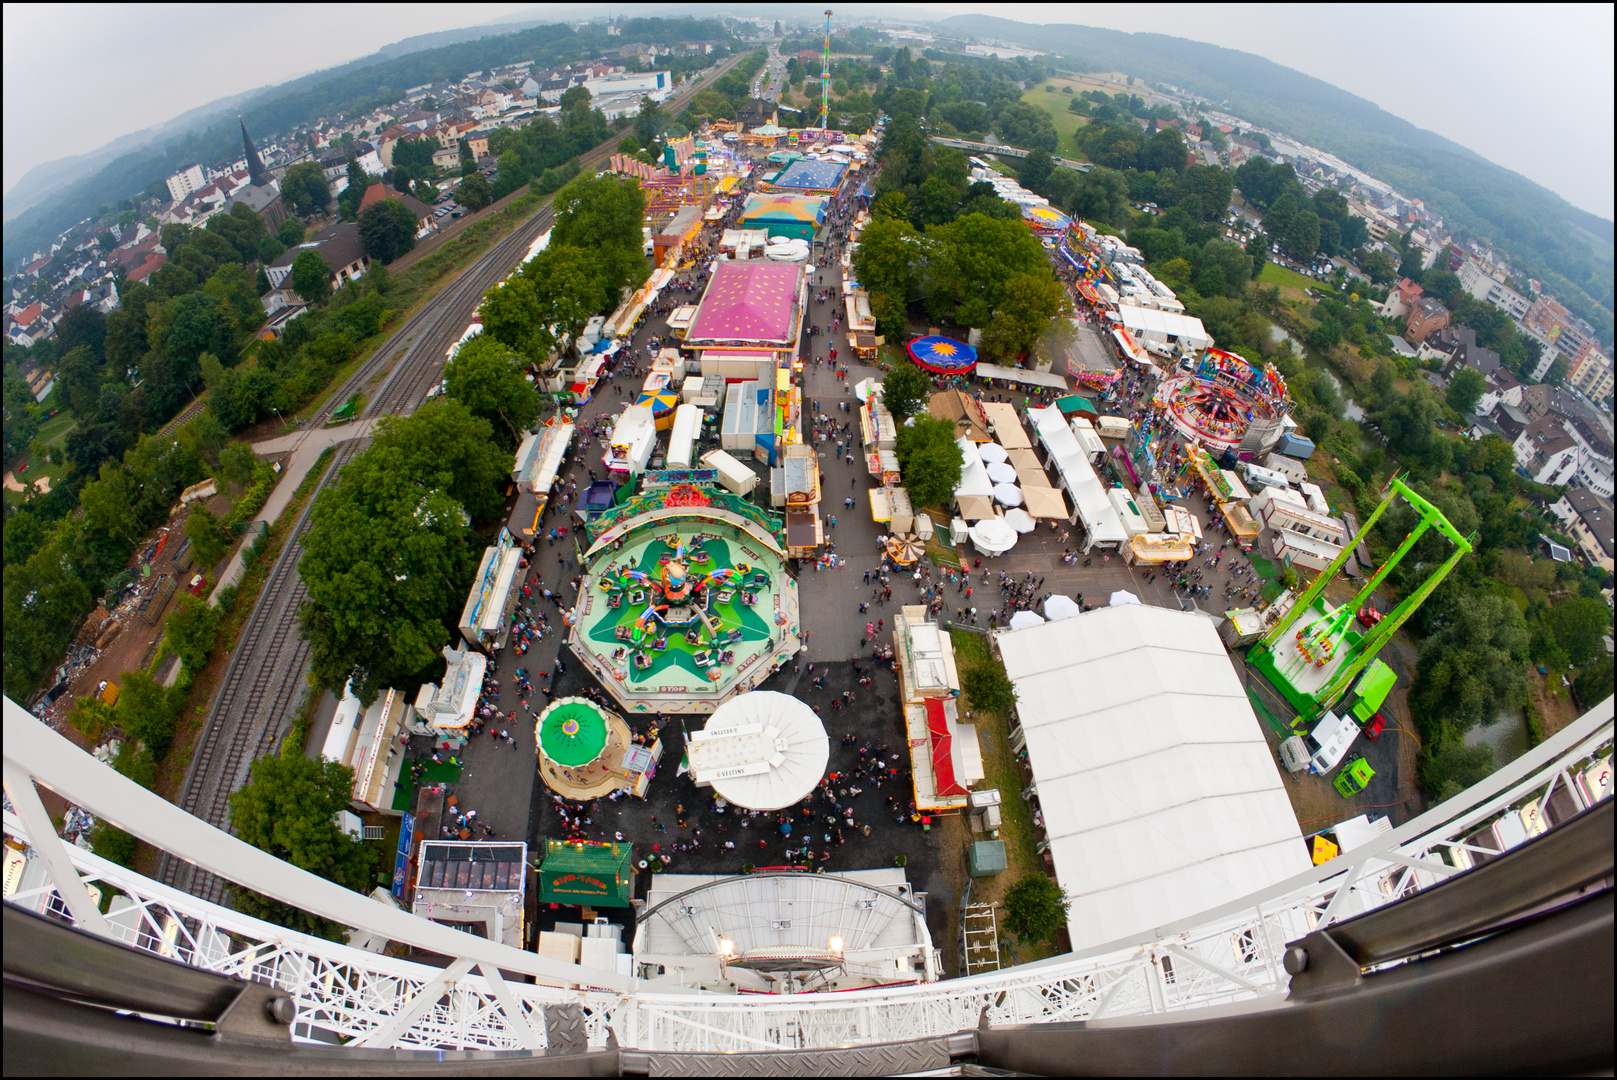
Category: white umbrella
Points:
column 1123, row 596
column 992, row 452
column 1008, row 494
column 1024, row 619
column 1060, row 606
column 992, row 536
column 1020, row 520
column 1001, row 472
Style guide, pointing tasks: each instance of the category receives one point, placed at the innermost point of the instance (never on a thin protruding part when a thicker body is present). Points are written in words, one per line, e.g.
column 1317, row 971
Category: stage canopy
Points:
column 761, row 750
column 943, row 355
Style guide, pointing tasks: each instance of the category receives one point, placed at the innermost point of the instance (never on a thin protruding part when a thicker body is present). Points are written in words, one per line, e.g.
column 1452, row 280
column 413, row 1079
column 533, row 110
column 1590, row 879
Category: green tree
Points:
column 1164, row 150
column 387, row 230
column 147, row 710
column 289, row 808
column 929, row 460
column 474, row 192
column 1024, row 312
column 1471, row 669
column 209, row 539
column 904, row 390
column 447, row 447
column 1036, row 169
column 1464, row 390
column 304, row 189
column 291, row 232
column 569, row 288
column 311, row 276
column 1579, row 625
column 192, row 630
column 1378, row 265
column 603, row 216
column 1593, row 684
column 989, row 688
column 384, row 561
column 92, row 718
column 1035, row 908
column 1327, row 335
column 1451, row 767
column 486, row 376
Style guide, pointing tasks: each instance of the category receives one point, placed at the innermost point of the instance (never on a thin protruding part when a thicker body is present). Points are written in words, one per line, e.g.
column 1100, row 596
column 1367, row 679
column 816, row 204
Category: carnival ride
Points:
column 943, row 355
column 1315, row 664
column 1215, row 404
column 674, row 596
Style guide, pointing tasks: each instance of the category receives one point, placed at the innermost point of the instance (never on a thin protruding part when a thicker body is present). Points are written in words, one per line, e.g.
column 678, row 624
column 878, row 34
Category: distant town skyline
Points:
column 1481, row 82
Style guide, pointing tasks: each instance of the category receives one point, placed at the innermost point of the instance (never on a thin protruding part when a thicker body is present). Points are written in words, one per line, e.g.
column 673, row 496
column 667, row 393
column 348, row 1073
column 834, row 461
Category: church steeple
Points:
column 257, row 175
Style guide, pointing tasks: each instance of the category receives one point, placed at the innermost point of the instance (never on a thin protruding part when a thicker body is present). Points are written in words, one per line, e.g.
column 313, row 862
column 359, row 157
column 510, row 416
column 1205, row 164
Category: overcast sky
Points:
column 1529, row 86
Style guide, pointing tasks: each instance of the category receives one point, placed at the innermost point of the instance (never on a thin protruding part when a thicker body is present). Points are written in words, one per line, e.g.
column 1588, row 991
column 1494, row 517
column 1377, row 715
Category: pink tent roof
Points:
column 747, row 301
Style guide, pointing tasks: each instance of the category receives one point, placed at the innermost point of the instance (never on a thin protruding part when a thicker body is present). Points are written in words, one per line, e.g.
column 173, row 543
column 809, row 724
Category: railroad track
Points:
column 253, row 709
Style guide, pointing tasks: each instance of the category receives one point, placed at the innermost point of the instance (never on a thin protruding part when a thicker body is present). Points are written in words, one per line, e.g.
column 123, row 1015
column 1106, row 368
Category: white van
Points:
column 1258, row 477
column 1320, row 750
column 1112, row 427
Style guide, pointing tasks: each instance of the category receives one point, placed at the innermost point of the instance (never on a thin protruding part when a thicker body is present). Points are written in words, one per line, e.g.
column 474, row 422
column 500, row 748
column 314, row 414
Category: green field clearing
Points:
column 1066, row 123
column 1286, row 279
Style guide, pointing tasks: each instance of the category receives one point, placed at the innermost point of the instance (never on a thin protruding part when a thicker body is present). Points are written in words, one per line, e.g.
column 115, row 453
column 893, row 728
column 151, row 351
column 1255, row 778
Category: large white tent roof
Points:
column 761, row 750
column 1160, row 796
column 973, row 474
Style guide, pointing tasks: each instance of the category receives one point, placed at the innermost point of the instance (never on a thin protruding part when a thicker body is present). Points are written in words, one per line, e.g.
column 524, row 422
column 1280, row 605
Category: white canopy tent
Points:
column 1024, row 619
column 1060, row 606
column 973, row 475
column 992, row 536
column 762, row 750
column 1094, row 510
column 1008, row 494
column 1160, row 796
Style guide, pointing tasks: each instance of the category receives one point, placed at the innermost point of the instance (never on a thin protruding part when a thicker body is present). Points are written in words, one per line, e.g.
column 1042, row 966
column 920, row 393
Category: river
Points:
column 1350, row 408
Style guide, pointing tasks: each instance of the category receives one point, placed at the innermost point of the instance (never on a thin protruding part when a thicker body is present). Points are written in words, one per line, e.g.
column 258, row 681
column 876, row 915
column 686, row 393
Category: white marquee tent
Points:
column 1160, row 796
column 763, row 750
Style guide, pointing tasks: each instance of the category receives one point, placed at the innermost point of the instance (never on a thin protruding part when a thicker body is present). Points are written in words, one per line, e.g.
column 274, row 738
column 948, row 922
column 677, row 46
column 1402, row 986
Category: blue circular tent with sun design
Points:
column 943, row 355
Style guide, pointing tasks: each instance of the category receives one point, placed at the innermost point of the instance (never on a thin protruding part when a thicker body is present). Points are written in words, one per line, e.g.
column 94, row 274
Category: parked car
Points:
column 1373, row 729
column 1369, row 616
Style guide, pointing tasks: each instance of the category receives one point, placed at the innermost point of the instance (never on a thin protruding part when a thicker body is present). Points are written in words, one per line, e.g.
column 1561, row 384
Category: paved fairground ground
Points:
column 500, row 780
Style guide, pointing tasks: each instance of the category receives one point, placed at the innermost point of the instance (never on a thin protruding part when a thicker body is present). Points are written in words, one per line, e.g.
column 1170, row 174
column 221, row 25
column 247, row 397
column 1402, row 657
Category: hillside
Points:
column 356, row 86
column 1569, row 249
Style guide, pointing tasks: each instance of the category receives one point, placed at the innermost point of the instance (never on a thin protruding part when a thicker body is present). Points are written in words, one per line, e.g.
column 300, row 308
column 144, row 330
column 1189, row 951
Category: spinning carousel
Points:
column 1225, row 395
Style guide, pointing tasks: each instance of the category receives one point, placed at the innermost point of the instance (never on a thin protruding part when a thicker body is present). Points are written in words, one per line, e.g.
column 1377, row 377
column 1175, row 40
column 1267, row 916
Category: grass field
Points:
column 1066, row 123
column 1286, row 279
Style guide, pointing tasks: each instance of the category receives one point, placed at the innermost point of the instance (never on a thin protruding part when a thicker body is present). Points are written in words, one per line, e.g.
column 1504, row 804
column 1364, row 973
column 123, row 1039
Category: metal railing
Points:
column 1231, row 954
